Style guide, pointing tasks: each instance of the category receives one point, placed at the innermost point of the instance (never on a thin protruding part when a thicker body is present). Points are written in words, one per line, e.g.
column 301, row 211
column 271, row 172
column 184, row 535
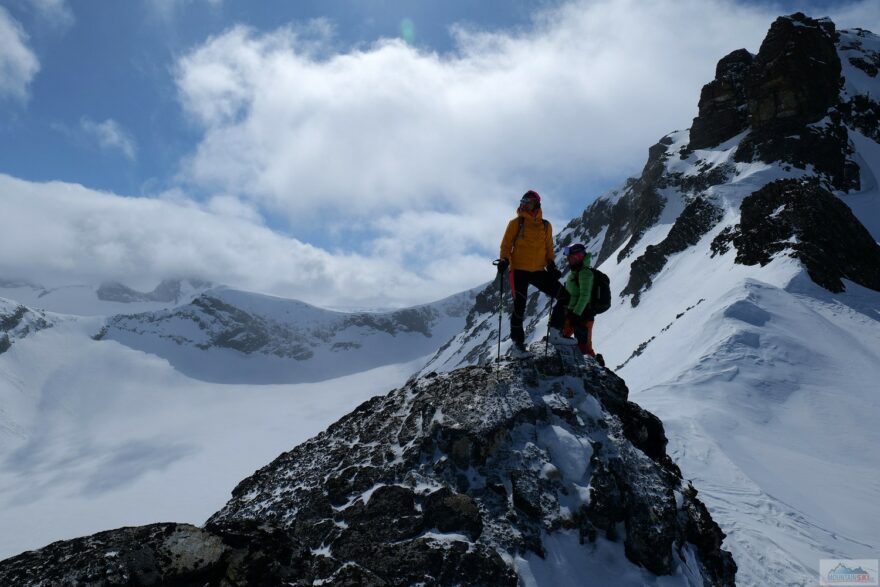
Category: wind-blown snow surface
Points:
column 97, row 435
column 768, row 393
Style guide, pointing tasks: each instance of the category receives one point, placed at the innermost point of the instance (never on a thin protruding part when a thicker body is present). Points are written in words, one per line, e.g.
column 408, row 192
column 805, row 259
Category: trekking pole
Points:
column 547, row 338
column 496, row 262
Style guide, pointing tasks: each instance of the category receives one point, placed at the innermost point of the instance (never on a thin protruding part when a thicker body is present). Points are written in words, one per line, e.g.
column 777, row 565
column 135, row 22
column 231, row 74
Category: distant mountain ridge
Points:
column 17, row 321
column 104, row 299
column 226, row 335
column 168, row 290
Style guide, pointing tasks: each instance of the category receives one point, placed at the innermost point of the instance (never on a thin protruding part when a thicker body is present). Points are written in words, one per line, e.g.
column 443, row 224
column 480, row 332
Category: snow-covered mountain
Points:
column 105, row 418
column 105, row 299
column 747, row 272
column 230, row 336
column 515, row 474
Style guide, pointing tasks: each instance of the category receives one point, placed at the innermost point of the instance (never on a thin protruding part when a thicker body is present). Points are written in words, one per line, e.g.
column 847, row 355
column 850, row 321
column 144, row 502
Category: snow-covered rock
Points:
column 17, row 321
column 481, row 476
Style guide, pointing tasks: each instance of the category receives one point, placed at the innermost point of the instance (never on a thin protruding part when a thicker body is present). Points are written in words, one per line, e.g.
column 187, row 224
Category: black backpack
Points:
column 601, row 299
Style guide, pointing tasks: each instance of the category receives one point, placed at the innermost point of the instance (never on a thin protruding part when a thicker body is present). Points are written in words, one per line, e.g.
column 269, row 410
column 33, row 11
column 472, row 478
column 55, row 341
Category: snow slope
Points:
column 108, row 436
column 97, row 434
column 765, row 381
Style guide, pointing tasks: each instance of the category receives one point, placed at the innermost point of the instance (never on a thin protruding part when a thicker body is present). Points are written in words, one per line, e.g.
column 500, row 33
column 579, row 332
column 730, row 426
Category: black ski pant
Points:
column 519, row 286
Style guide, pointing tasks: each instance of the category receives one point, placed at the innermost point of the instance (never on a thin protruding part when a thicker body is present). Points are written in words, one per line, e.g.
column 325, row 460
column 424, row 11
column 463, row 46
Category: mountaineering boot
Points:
column 557, row 339
column 600, row 359
column 518, row 351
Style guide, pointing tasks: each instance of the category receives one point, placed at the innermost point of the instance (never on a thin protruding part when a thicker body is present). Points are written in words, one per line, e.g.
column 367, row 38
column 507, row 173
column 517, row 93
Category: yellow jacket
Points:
column 534, row 247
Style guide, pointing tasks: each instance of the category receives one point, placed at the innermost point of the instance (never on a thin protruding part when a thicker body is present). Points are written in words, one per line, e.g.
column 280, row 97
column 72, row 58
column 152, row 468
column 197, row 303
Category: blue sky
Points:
column 320, row 153
column 114, row 61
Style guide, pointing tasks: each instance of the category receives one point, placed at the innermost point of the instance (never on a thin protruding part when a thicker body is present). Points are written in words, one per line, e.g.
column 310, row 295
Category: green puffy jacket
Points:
column 580, row 285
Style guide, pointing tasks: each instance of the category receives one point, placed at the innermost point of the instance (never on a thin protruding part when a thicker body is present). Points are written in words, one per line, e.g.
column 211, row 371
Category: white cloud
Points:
column 57, row 233
column 391, row 128
column 432, row 151
column 55, row 12
column 110, row 135
column 422, row 156
column 410, row 162
column 862, row 14
column 18, row 63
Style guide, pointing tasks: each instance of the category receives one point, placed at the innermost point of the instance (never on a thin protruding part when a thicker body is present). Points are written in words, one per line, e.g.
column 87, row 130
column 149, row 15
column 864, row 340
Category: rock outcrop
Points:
column 698, row 218
column 449, row 480
column 724, row 111
column 782, row 96
column 18, row 321
column 810, row 224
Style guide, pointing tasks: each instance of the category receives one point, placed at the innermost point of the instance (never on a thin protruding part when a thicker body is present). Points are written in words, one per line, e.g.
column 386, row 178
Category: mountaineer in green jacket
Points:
column 580, row 316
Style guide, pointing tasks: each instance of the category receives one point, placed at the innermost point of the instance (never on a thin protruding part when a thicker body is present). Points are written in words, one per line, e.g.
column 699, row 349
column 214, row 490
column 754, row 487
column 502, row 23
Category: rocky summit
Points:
column 462, row 478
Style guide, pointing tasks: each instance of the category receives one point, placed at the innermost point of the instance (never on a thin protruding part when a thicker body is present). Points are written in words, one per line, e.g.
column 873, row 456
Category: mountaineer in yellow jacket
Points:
column 527, row 250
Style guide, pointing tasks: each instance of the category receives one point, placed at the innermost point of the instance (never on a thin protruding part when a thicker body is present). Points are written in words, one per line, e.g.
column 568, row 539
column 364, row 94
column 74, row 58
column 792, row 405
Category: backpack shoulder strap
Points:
column 522, row 224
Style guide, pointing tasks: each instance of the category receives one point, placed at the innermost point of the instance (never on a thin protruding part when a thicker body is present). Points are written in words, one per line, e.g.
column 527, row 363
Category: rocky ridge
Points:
column 454, row 479
column 301, row 342
column 17, row 321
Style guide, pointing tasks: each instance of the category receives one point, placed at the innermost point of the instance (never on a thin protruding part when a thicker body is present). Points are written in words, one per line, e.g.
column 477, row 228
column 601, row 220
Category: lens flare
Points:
column 408, row 30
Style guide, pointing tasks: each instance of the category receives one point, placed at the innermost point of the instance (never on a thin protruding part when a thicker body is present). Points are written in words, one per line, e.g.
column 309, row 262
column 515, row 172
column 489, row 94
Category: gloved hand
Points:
column 502, row 265
column 553, row 270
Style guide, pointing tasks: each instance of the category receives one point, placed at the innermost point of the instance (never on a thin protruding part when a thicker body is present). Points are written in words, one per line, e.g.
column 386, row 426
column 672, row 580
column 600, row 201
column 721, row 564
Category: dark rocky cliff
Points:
column 813, row 226
column 442, row 482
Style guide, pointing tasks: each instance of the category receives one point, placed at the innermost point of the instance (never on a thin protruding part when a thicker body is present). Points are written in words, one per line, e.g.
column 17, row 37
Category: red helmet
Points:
column 529, row 197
